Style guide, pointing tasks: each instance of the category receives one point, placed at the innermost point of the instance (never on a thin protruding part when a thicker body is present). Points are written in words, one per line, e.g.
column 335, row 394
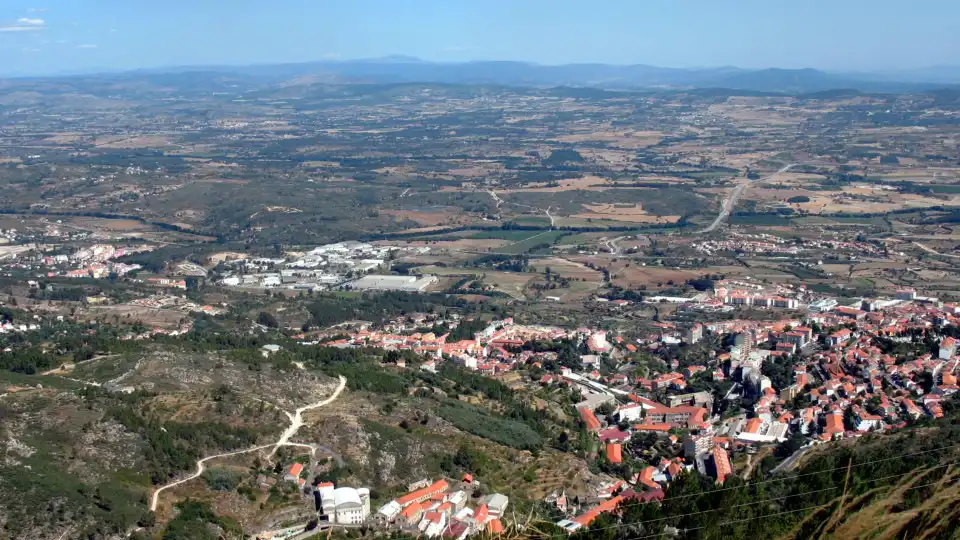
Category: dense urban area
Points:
column 239, row 306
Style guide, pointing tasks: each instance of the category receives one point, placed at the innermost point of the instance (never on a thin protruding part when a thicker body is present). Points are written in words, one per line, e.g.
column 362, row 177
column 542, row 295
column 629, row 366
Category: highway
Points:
column 731, row 201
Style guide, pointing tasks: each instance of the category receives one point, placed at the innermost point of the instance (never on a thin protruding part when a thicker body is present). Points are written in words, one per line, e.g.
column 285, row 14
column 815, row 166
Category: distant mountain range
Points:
column 404, row 69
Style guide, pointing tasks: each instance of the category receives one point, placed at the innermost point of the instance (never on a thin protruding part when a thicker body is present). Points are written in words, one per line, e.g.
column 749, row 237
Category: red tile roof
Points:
column 590, row 419
column 615, row 452
column 423, row 493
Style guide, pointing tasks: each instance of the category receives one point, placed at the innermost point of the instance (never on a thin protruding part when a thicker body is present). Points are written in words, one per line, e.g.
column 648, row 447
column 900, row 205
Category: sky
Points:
column 67, row 36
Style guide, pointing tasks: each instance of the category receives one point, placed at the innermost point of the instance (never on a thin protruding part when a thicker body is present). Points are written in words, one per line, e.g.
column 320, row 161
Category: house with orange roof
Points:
column 721, row 464
column 607, row 506
column 294, row 472
column 590, row 419
column 615, row 453
column 481, row 514
column 495, row 526
column 864, row 420
column 662, row 429
column 834, row 427
column 437, row 488
column 411, row 514
column 645, row 477
column 911, row 408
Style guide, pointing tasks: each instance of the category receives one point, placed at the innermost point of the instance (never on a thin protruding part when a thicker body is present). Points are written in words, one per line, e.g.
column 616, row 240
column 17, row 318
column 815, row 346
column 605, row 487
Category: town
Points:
column 824, row 377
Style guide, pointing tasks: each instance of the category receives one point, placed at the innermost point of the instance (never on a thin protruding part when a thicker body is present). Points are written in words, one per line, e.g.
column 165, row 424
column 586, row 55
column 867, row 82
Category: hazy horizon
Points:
column 59, row 36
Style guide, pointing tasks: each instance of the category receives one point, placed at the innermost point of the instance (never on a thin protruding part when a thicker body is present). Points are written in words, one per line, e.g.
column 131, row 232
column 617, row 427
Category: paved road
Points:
column 791, row 462
column 296, row 421
column 731, row 202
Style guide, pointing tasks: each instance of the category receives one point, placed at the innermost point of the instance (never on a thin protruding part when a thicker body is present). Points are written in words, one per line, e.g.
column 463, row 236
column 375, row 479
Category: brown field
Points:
column 511, row 283
column 632, row 274
column 222, row 181
column 321, row 164
column 632, row 214
column 428, row 219
column 110, row 224
column 125, row 313
column 569, row 269
column 145, row 141
column 586, row 183
column 64, row 138
column 467, row 244
column 882, row 201
column 624, row 139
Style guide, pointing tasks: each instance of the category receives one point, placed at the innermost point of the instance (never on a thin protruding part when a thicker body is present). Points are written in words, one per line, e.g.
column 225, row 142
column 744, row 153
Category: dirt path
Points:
column 931, row 251
column 296, row 421
column 500, row 201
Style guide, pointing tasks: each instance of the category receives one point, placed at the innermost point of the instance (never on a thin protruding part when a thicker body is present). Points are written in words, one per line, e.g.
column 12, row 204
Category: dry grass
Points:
column 145, row 141
column 629, row 213
column 623, row 139
column 429, row 219
column 883, row 514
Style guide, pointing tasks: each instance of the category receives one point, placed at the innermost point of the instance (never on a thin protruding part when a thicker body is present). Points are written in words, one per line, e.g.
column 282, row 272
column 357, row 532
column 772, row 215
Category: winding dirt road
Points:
column 296, row 422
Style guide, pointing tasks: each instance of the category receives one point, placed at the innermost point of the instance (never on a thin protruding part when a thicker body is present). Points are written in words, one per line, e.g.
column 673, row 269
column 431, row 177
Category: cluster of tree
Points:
column 466, row 460
column 327, row 310
column 194, row 521
column 780, row 370
column 466, row 329
column 506, row 263
column 30, row 361
column 173, row 446
column 61, row 294
column 483, row 423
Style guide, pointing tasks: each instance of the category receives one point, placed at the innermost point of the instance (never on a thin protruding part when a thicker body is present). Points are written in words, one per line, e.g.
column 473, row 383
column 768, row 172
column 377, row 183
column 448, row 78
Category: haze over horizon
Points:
column 60, row 36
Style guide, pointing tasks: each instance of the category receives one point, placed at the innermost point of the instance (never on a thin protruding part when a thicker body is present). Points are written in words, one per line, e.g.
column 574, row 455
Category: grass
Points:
column 9, row 378
column 538, row 221
column 533, row 240
column 104, row 369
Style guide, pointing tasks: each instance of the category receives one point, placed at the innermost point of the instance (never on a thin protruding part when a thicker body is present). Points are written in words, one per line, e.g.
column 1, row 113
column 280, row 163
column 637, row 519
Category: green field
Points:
column 537, row 238
column 537, row 221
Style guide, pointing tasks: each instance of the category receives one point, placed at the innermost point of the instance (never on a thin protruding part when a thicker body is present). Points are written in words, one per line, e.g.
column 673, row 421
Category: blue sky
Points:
column 51, row 36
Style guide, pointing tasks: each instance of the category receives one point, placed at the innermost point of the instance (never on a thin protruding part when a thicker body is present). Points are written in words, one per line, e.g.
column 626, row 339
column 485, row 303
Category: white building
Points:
column 629, row 412
column 344, row 505
column 948, row 348
column 497, row 504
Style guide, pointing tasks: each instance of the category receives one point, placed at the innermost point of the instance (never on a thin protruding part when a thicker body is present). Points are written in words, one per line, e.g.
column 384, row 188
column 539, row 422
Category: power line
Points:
column 620, row 525
column 766, row 515
column 901, row 456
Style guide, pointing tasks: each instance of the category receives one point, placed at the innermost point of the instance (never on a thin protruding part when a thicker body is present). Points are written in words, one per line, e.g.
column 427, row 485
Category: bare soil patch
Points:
column 631, row 213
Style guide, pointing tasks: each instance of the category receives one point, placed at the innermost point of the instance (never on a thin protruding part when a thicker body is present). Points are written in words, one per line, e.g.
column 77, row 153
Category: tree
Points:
column 267, row 319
